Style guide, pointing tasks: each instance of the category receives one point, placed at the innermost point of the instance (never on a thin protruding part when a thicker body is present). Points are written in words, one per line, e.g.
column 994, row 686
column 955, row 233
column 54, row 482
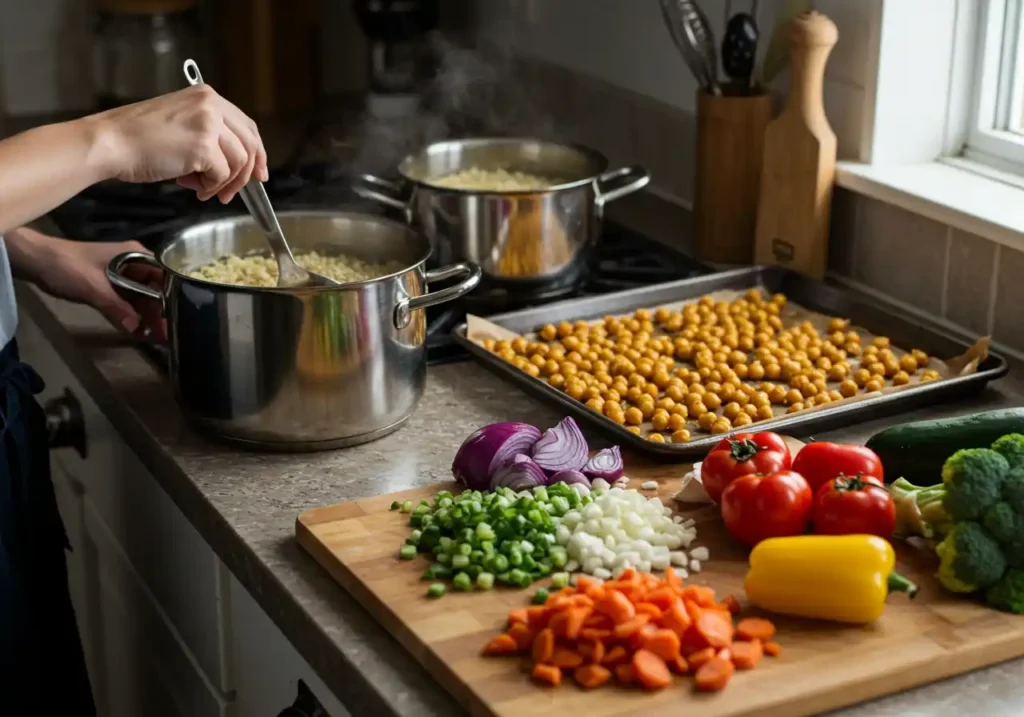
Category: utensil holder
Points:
column 730, row 151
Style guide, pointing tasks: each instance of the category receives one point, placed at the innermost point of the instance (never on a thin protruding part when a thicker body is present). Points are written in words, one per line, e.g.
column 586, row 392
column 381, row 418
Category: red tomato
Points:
column 740, row 455
column 819, row 463
column 857, row 505
column 757, row 507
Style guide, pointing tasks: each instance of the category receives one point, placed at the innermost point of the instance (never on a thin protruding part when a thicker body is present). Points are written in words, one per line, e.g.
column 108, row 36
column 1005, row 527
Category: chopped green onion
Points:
column 460, row 561
column 407, row 552
column 560, row 580
column 407, row 506
column 436, row 590
column 485, row 581
column 462, row 582
column 395, row 505
column 541, row 596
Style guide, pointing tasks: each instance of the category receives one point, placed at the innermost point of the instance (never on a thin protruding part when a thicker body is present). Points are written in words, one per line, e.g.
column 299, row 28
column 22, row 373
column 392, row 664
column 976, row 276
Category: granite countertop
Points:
column 245, row 505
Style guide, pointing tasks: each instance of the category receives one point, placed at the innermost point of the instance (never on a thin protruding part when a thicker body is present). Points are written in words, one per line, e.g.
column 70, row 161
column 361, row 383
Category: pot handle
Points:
column 133, row 287
column 472, row 274
column 622, row 181
column 389, row 196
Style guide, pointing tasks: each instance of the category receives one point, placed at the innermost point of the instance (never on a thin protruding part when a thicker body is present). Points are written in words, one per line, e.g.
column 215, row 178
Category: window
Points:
column 996, row 132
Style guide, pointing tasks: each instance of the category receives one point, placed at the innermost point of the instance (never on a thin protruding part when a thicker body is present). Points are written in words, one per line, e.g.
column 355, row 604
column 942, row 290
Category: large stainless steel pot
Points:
column 298, row 369
column 511, row 235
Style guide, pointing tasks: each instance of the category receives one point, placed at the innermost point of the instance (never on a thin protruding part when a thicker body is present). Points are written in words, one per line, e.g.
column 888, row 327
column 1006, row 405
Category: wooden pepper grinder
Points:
column 800, row 158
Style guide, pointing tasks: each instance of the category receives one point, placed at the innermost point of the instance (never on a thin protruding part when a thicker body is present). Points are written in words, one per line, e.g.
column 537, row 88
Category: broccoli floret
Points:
column 1011, row 447
column 1008, row 592
column 974, row 479
column 919, row 511
column 1007, row 526
column 969, row 559
column 1013, row 490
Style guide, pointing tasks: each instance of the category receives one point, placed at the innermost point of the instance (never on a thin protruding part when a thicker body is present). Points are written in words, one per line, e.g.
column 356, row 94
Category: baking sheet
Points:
column 960, row 368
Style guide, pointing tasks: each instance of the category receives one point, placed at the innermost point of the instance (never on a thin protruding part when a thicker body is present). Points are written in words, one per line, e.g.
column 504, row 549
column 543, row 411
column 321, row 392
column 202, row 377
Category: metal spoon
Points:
column 289, row 274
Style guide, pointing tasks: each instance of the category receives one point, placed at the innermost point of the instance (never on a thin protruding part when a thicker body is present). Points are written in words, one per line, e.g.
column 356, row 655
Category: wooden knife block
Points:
column 730, row 150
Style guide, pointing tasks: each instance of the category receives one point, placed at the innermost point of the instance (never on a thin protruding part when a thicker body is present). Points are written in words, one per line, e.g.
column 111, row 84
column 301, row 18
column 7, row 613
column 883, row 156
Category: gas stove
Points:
column 150, row 214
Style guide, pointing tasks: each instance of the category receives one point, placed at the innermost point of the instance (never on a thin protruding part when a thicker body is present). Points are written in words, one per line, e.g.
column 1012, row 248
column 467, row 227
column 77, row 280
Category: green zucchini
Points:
column 916, row 451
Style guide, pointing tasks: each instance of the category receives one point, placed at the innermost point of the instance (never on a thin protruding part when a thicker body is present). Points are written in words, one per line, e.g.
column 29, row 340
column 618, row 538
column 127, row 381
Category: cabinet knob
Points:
column 65, row 423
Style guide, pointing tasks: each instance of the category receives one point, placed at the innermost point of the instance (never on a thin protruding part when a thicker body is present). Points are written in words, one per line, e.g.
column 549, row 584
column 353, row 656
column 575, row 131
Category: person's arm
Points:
column 44, row 167
column 194, row 136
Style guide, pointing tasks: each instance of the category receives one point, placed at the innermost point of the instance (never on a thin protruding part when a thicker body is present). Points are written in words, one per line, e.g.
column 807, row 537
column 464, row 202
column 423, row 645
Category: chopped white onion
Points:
column 700, row 553
column 694, row 566
column 649, row 485
column 624, row 529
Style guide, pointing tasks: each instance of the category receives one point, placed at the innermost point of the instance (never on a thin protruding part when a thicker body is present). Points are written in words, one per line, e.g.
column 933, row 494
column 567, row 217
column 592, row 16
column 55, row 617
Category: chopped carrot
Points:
column 639, row 628
column 591, row 676
column 501, row 645
column 575, row 617
column 617, row 606
column 547, row 675
column 648, row 608
column 675, row 617
column 714, row 675
column 700, row 594
column 566, row 659
column 615, row 656
column 521, row 615
column 628, row 628
column 714, row 628
column 746, row 654
column 543, row 646
column 663, row 643
column 699, row 658
column 600, row 621
column 639, row 638
column 522, row 634
column 558, row 622
column 755, row 628
column 651, row 671
column 679, row 665
column 537, row 617
column 624, row 673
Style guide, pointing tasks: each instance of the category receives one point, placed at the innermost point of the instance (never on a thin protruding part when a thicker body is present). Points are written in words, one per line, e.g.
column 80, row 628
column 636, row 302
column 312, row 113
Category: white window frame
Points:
column 999, row 89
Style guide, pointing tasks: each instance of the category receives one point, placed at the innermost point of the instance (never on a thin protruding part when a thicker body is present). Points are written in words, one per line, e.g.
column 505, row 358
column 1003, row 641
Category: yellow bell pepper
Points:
column 844, row 578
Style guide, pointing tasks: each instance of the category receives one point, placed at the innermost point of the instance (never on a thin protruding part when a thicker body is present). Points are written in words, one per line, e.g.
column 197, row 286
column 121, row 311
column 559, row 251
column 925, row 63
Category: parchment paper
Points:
column 478, row 329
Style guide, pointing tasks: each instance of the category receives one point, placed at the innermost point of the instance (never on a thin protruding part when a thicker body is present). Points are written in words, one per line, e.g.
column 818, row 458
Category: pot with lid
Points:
column 524, row 210
column 298, row 369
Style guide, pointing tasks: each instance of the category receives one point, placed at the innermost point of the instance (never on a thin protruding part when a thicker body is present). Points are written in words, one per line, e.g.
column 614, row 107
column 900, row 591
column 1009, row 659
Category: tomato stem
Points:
column 745, row 450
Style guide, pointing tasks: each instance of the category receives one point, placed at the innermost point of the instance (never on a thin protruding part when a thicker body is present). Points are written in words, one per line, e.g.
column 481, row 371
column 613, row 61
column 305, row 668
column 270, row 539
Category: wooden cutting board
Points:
column 822, row 666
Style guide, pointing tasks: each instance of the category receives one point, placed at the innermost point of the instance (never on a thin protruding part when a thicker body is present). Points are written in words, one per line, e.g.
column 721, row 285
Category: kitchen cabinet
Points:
column 167, row 630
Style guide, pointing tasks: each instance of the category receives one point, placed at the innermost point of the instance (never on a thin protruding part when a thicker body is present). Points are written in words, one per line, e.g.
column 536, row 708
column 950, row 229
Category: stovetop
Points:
column 150, row 214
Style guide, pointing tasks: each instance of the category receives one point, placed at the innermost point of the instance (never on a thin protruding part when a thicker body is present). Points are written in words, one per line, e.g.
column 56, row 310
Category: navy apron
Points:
column 42, row 667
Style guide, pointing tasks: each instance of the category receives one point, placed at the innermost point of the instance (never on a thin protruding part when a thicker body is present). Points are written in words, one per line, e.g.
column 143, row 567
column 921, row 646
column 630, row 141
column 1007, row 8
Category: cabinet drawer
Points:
column 142, row 668
column 178, row 568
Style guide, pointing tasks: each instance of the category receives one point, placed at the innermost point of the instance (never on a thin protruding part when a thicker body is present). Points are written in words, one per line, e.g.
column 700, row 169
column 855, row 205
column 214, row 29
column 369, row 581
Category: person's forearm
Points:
column 27, row 251
column 44, row 167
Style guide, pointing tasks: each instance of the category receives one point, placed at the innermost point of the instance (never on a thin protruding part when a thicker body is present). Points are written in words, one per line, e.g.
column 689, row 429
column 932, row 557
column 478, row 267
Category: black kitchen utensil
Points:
column 739, row 50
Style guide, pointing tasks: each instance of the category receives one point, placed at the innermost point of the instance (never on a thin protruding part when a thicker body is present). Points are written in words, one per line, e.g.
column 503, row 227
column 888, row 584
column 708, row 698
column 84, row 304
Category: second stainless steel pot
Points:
column 511, row 235
column 298, row 369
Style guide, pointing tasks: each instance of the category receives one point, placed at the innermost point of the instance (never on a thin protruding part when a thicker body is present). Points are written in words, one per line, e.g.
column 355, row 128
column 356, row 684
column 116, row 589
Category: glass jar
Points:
column 140, row 47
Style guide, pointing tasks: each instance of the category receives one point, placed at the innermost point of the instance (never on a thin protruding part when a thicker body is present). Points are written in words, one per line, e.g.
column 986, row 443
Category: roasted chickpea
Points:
column 681, row 436
column 679, row 410
column 773, row 371
column 532, row 370
column 596, row 404
column 732, row 410
column 557, row 380
column 900, row 378
column 838, row 372
column 908, row 363
column 877, row 368
column 634, row 416
column 651, row 390
column 870, row 350
column 520, row 362
column 795, row 408
column 834, row 395
column 706, row 420
column 921, row 357
column 634, row 429
column 892, row 366
column 611, row 406
column 875, row 384
column 862, row 376
column 755, row 371
column 794, row 395
column 675, row 393
column 764, row 413
column 656, row 438
column 675, row 422
column 659, row 421
column 742, row 420
column 821, row 399
column 777, row 394
column 618, row 417
column 750, row 409
column 575, row 390
column 721, row 425
column 848, row 388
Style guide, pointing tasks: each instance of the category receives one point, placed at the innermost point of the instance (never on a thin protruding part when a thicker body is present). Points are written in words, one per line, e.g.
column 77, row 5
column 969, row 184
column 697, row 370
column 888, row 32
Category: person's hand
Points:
column 194, row 136
column 77, row 271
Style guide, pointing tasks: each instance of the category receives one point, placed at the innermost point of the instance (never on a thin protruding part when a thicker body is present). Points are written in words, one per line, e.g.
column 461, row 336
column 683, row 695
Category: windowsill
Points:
column 976, row 200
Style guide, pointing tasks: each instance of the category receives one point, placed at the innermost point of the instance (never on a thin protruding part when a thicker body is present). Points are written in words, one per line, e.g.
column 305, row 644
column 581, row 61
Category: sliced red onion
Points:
column 519, row 473
column 606, row 463
column 488, row 449
column 561, row 448
column 569, row 477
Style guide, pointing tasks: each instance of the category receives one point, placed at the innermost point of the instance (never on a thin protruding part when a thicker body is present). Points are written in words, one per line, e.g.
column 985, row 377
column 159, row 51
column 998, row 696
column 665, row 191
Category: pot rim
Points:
column 321, row 213
column 600, row 161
